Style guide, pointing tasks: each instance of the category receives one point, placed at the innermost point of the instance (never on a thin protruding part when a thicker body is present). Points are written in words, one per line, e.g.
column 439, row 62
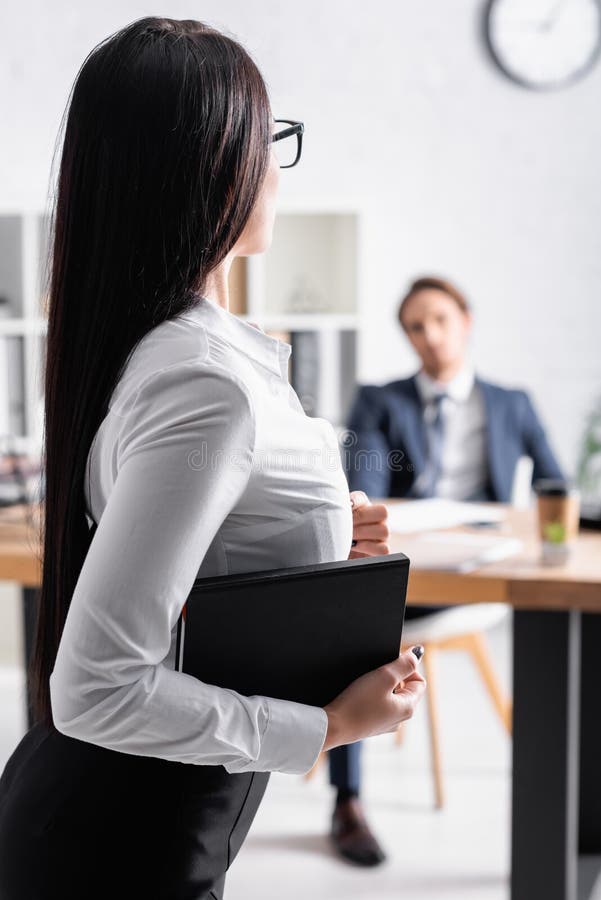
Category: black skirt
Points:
column 81, row 821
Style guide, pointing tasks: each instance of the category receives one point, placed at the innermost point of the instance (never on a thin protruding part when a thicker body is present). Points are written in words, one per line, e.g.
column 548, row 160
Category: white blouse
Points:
column 205, row 464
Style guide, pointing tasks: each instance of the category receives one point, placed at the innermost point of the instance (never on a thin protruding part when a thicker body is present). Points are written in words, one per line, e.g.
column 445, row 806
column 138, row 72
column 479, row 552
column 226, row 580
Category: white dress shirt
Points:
column 205, row 464
column 464, row 457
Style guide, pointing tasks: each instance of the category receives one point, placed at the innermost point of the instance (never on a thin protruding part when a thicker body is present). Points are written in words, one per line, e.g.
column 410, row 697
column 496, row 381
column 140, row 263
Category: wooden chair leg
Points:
column 429, row 673
column 318, row 762
column 478, row 649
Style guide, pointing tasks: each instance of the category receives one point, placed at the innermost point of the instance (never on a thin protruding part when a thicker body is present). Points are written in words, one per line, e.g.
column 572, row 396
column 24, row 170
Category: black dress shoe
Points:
column 351, row 835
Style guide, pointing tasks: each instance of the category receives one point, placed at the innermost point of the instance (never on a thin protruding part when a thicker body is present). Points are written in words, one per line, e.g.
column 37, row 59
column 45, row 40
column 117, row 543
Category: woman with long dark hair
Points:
column 164, row 415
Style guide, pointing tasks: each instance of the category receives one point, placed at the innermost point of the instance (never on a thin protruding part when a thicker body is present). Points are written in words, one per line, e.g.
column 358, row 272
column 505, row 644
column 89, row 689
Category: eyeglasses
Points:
column 290, row 142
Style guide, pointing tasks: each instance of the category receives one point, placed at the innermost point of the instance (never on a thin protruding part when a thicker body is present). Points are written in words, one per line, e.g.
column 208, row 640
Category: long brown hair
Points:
column 165, row 150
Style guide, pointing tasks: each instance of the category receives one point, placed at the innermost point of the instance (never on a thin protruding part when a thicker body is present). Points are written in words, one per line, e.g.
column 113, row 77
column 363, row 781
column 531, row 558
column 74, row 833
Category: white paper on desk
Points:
column 425, row 515
column 457, row 552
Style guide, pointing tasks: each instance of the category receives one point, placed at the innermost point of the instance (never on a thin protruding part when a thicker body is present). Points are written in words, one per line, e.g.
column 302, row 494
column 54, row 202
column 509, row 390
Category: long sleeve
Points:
column 366, row 453
column 185, row 453
column 537, row 445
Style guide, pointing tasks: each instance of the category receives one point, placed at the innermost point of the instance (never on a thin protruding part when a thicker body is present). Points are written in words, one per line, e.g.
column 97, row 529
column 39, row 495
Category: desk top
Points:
column 20, row 547
column 520, row 581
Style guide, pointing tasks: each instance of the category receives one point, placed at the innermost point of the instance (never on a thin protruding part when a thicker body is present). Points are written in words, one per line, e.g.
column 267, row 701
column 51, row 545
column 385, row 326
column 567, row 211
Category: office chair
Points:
column 457, row 628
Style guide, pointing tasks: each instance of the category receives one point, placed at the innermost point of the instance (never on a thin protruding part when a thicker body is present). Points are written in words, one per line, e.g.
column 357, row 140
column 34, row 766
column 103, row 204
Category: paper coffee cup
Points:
column 558, row 505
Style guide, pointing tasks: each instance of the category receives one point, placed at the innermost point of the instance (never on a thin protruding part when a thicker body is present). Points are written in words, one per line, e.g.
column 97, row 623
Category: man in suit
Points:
column 442, row 432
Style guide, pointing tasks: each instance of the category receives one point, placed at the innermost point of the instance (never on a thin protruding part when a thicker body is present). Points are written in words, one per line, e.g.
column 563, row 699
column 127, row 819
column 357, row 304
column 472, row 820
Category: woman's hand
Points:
column 375, row 703
column 370, row 530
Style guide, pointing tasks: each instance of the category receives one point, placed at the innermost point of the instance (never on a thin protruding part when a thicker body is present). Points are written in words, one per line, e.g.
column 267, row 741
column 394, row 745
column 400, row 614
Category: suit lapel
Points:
column 408, row 431
column 409, row 417
column 494, row 437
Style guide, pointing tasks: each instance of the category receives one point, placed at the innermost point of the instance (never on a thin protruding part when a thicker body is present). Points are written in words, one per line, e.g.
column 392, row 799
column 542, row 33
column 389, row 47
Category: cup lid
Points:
column 553, row 487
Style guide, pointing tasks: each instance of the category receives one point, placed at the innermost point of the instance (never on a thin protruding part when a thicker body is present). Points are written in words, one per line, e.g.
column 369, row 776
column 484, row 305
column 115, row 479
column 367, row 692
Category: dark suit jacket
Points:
column 385, row 449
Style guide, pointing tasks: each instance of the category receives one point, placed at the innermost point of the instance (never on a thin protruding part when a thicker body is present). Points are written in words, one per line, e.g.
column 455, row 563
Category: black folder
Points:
column 300, row 633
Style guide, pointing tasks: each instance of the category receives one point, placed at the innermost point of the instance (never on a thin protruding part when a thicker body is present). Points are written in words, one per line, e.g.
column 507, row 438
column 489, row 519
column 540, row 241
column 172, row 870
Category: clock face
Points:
column 544, row 44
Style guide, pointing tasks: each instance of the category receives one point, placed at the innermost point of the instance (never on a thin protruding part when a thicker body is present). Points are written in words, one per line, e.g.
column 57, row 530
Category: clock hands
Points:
column 550, row 21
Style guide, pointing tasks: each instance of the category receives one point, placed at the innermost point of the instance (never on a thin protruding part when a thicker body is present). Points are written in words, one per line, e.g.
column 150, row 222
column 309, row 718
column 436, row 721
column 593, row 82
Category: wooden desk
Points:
column 21, row 561
column 556, row 799
column 521, row 581
column 556, row 791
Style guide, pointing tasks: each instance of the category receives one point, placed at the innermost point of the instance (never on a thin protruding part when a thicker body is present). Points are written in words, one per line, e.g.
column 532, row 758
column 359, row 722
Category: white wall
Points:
column 457, row 170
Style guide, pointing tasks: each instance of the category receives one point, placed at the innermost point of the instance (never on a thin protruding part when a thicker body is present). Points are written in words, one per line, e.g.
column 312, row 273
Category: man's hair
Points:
column 430, row 282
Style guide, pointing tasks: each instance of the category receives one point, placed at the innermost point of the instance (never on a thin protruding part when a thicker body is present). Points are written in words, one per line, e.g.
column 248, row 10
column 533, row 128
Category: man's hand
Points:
column 370, row 530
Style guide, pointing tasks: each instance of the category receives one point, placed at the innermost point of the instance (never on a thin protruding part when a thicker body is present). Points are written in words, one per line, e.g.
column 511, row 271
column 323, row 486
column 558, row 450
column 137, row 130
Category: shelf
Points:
column 11, row 266
column 310, row 267
column 300, row 321
column 23, row 326
column 13, row 416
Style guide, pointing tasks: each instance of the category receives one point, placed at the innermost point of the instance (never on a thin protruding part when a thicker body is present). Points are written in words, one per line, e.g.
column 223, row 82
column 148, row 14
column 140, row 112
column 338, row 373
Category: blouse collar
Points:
column 245, row 336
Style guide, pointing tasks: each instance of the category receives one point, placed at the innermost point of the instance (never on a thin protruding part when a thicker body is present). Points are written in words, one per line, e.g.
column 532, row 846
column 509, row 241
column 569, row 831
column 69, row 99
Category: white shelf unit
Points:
column 306, row 284
column 22, row 330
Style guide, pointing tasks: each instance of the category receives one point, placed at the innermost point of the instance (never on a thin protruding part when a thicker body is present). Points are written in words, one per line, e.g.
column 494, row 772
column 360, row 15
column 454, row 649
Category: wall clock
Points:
column 544, row 44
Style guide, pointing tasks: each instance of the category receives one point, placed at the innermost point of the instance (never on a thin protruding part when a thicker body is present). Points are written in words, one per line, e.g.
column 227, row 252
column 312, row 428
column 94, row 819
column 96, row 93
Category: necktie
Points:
column 435, row 430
